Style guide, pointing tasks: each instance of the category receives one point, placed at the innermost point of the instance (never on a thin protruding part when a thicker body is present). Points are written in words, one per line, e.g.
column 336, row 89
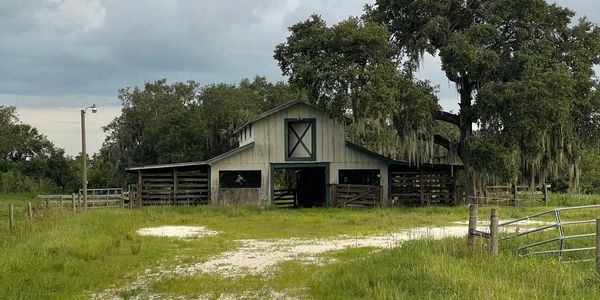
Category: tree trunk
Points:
column 466, row 130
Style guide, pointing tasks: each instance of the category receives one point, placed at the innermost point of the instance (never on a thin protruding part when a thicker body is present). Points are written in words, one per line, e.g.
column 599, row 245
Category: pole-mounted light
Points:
column 84, row 154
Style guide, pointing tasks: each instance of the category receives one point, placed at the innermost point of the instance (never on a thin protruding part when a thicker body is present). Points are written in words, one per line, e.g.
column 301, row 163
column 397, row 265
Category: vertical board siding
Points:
column 269, row 147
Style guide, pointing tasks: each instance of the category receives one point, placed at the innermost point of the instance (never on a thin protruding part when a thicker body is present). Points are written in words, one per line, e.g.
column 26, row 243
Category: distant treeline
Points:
column 164, row 123
column 160, row 123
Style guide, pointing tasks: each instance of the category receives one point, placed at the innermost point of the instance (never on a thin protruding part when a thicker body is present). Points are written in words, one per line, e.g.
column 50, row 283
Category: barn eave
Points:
column 165, row 166
column 229, row 153
column 273, row 111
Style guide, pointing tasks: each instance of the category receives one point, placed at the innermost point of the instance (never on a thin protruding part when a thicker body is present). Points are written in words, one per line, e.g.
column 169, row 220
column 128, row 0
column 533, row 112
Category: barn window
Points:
column 300, row 139
column 239, row 179
column 368, row 177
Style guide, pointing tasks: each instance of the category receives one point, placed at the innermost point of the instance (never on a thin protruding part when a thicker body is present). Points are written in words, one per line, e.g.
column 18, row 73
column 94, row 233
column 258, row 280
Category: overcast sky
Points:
column 58, row 56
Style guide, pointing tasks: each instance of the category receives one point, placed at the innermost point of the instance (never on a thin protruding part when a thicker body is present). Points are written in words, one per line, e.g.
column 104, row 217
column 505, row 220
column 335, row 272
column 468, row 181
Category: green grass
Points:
column 17, row 198
column 446, row 270
column 66, row 255
column 558, row 199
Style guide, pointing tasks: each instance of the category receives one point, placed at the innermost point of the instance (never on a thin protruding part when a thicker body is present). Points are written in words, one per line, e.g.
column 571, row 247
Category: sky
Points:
column 59, row 56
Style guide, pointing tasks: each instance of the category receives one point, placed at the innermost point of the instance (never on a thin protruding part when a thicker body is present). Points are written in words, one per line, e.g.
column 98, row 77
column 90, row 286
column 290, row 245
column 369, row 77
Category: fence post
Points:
column 29, row 211
column 73, row 202
column 47, row 203
column 60, row 202
column 514, row 194
column 494, row 232
column 545, row 194
column 598, row 246
column 11, row 217
column 472, row 225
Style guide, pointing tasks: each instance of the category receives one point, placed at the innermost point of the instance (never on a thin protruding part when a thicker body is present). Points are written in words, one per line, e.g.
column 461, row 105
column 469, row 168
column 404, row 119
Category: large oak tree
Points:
column 523, row 71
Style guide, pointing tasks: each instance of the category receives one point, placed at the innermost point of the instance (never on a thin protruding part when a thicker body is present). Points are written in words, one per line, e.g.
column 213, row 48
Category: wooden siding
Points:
column 269, row 147
column 173, row 186
column 356, row 195
column 424, row 186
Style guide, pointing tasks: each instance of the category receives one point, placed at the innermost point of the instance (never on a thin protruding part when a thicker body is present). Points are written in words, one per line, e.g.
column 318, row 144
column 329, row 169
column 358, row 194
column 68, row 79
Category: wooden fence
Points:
column 173, row 187
column 285, row 198
column 513, row 195
column 97, row 198
column 356, row 195
column 419, row 187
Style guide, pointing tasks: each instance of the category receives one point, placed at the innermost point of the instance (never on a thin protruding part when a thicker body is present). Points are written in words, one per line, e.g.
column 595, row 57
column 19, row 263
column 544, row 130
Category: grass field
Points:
column 66, row 255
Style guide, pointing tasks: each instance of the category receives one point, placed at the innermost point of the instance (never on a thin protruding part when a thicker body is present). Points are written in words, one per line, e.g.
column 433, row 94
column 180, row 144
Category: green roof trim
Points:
column 193, row 163
column 273, row 111
column 230, row 153
column 370, row 153
column 163, row 166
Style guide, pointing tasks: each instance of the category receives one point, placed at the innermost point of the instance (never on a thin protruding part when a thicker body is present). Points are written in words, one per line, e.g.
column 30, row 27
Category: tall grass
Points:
column 446, row 270
column 61, row 254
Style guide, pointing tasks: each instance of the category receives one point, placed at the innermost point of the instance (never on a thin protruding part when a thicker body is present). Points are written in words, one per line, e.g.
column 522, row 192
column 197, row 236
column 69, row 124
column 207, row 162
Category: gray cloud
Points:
column 93, row 47
column 57, row 54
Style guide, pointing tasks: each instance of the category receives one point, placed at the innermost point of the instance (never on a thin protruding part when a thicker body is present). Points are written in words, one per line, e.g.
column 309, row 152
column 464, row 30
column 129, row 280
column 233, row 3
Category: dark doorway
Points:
column 311, row 187
column 299, row 186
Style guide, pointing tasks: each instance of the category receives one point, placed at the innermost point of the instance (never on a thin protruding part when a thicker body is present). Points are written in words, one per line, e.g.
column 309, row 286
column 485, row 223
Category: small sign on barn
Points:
column 295, row 155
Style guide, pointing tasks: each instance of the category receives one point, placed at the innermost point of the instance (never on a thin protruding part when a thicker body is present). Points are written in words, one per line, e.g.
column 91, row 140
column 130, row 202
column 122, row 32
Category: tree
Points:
column 523, row 73
column 179, row 122
column 350, row 70
column 346, row 68
column 28, row 160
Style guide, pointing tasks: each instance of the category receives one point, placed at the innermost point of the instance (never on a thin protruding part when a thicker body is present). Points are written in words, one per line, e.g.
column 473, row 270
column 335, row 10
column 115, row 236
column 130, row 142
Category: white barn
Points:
column 295, row 155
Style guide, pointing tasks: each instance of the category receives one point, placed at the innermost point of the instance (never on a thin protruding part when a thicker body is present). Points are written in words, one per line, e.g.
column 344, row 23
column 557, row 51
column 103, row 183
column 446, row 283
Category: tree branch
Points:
column 448, row 117
column 442, row 141
column 438, row 140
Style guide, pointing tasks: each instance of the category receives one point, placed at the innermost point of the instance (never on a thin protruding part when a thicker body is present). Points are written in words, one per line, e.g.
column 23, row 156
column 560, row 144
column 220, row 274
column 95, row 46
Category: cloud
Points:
column 72, row 16
column 70, row 53
column 53, row 48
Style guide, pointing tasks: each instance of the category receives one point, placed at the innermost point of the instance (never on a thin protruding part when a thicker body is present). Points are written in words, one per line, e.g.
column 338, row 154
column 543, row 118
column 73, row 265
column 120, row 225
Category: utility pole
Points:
column 84, row 154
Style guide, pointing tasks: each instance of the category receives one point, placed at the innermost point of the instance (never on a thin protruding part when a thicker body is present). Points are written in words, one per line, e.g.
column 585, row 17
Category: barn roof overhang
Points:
column 230, row 153
column 393, row 162
column 273, row 111
column 370, row 153
column 433, row 165
column 167, row 166
column 193, row 163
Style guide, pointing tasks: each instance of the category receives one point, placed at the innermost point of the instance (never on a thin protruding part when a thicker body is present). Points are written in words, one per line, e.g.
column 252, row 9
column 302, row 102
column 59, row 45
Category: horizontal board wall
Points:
column 176, row 186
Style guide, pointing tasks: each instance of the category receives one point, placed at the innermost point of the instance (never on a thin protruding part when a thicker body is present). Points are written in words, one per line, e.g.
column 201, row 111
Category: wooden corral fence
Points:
column 550, row 238
column 27, row 211
column 513, row 195
column 97, row 198
column 285, row 198
column 420, row 187
column 356, row 195
column 175, row 187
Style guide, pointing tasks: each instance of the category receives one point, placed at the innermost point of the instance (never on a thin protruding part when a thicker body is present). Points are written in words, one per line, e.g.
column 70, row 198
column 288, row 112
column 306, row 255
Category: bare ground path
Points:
column 255, row 256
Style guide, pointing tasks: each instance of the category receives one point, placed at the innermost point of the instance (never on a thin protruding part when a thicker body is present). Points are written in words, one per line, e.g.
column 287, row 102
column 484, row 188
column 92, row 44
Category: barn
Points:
column 295, row 155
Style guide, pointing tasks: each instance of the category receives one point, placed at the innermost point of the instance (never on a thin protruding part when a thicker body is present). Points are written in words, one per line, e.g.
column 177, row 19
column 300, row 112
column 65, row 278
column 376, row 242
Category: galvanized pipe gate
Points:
column 530, row 248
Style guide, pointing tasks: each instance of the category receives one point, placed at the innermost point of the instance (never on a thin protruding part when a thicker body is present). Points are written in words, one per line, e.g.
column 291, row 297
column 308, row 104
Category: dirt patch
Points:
column 177, row 231
column 259, row 256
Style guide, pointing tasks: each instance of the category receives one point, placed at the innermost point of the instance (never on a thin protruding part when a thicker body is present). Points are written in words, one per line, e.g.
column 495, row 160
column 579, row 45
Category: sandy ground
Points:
column 255, row 256
column 177, row 231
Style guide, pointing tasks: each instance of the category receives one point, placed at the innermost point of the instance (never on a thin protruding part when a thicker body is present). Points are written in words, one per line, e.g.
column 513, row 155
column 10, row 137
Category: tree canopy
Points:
column 28, row 160
column 524, row 74
column 166, row 123
column 350, row 69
